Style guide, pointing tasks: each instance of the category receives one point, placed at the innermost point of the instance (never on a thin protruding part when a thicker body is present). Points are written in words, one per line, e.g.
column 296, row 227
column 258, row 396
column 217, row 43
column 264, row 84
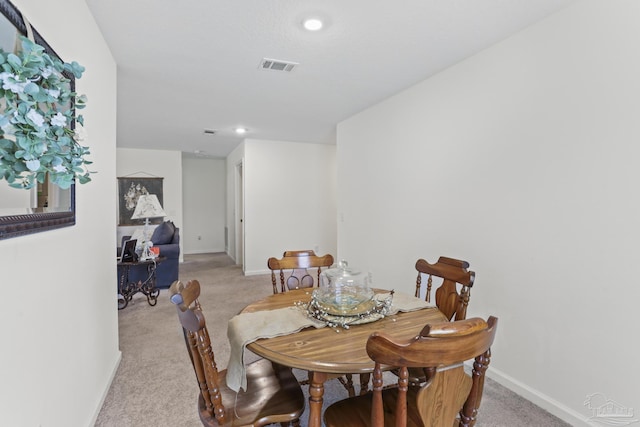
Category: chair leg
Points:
column 364, row 383
column 347, row 382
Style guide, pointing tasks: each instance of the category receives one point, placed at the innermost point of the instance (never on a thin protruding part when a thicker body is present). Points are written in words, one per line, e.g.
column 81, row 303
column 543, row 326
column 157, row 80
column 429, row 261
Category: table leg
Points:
column 122, row 302
column 128, row 289
column 316, row 390
column 123, row 292
column 149, row 286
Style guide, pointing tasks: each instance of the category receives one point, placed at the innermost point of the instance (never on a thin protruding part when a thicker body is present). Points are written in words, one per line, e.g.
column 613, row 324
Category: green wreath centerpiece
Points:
column 37, row 134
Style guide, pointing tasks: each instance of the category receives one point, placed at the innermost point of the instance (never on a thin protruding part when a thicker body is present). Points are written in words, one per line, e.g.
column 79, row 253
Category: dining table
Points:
column 327, row 351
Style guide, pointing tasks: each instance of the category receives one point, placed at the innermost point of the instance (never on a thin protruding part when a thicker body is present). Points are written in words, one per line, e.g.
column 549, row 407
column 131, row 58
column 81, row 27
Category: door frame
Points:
column 239, row 213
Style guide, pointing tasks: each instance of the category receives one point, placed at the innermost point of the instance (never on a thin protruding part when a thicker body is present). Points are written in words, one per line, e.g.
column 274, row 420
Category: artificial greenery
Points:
column 36, row 119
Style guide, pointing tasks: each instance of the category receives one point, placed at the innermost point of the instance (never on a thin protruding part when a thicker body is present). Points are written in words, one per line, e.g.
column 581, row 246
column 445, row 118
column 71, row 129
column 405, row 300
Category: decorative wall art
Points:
column 129, row 190
column 18, row 216
column 40, row 133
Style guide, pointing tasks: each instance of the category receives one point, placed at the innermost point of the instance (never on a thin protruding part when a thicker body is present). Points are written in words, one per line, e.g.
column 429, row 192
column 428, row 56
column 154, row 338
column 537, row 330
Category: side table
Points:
column 127, row 289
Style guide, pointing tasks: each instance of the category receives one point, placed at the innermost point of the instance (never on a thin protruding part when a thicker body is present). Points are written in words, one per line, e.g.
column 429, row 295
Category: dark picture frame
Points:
column 19, row 225
column 129, row 189
column 129, row 251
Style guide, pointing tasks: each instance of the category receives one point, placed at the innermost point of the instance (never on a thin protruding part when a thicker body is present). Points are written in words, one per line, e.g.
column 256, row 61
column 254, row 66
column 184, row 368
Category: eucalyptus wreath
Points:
column 37, row 135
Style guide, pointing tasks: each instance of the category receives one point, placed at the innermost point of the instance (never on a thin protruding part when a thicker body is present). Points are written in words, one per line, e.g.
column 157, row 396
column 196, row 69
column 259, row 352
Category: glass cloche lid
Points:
column 344, row 291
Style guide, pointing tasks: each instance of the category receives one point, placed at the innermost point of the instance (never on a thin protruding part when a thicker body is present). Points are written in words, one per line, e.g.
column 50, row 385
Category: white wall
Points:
column 522, row 160
column 289, row 200
column 59, row 325
column 155, row 163
column 204, row 193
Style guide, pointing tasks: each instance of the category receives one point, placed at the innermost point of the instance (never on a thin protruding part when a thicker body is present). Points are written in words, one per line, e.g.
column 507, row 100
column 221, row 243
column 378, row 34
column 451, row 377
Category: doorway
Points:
column 239, row 215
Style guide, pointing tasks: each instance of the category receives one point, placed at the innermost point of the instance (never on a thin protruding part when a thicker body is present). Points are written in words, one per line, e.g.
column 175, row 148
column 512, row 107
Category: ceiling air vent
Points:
column 277, row 65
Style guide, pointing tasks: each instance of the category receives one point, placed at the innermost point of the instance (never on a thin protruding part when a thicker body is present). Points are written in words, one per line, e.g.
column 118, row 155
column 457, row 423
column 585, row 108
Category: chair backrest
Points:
column 199, row 348
column 293, row 269
column 452, row 271
column 449, row 394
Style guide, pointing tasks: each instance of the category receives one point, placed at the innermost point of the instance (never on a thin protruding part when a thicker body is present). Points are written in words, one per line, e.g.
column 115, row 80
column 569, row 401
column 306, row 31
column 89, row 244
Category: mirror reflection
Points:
column 43, row 198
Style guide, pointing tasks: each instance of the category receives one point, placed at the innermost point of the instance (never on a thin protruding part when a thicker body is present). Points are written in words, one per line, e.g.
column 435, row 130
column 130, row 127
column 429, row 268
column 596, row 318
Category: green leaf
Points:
column 14, row 61
column 31, row 88
column 63, row 181
column 42, row 97
column 19, row 166
column 24, row 143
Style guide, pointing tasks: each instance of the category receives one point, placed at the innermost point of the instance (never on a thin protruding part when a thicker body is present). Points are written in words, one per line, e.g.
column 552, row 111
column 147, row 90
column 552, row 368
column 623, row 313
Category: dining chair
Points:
column 450, row 396
column 273, row 394
column 450, row 302
column 293, row 269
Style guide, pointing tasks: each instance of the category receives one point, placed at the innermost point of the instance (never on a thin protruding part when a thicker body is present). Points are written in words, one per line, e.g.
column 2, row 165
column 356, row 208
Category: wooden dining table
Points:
column 326, row 351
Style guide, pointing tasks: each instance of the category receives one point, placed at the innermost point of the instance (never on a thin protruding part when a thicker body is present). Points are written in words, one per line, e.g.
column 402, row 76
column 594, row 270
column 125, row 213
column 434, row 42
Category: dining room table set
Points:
column 250, row 326
column 324, row 330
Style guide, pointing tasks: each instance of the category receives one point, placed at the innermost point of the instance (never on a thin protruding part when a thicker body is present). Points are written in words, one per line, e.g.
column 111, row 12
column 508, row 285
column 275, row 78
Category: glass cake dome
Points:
column 344, row 291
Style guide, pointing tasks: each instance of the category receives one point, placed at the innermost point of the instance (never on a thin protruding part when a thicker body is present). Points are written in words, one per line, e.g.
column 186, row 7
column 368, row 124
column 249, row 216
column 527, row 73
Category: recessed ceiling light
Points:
column 241, row 130
column 312, row 24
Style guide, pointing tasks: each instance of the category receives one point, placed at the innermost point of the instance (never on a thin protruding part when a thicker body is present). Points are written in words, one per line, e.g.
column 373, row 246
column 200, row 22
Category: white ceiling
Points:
column 192, row 65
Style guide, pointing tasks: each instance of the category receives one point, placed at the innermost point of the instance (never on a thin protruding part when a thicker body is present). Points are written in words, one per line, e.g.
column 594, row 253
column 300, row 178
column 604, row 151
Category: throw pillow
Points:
column 163, row 234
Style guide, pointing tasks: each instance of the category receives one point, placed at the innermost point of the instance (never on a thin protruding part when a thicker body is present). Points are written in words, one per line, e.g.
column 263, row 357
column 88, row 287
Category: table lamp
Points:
column 147, row 207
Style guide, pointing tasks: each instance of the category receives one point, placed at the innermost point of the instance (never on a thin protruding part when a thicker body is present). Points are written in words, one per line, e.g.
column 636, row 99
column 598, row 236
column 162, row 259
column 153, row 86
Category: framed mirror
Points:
column 46, row 206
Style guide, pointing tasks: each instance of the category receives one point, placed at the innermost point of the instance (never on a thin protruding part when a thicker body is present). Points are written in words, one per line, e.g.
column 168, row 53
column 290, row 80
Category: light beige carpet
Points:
column 155, row 385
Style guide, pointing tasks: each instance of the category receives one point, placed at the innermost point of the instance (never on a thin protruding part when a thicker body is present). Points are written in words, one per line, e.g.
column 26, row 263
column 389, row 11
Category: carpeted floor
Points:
column 155, row 385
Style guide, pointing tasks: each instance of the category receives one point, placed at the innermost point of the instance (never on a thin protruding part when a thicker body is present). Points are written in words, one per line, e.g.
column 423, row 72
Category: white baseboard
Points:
column 106, row 389
column 257, row 272
column 542, row 400
column 204, row 251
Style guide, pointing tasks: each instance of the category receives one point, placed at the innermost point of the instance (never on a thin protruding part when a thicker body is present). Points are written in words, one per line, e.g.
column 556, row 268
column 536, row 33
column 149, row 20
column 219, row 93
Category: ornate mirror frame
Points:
column 18, row 225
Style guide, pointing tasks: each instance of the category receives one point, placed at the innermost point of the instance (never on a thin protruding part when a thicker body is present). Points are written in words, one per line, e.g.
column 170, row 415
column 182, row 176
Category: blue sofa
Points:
column 166, row 237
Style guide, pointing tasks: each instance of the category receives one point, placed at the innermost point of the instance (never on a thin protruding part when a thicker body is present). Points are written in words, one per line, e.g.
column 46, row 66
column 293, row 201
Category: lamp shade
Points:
column 148, row 207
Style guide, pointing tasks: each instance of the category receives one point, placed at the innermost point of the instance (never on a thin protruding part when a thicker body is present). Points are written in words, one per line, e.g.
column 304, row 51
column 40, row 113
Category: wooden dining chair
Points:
column 450, row 301
column 294, row 267
column 273, row 394
column 450, row 397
